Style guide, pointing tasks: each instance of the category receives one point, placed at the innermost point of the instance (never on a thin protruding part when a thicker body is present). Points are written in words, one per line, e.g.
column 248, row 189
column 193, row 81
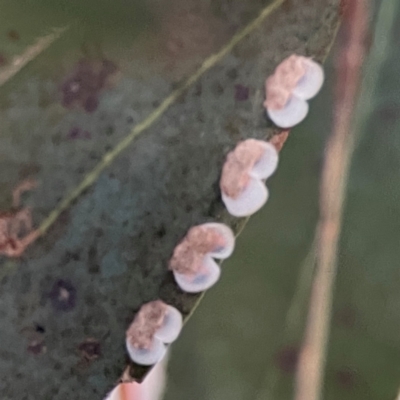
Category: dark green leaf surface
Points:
column 110, row 69
column 241, row 344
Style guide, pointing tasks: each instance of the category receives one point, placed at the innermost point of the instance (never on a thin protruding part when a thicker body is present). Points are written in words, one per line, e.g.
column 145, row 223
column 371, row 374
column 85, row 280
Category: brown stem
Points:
column 339, row 150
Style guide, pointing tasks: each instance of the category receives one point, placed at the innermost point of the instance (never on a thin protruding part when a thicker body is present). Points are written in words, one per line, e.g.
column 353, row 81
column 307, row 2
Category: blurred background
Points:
column 242, row 342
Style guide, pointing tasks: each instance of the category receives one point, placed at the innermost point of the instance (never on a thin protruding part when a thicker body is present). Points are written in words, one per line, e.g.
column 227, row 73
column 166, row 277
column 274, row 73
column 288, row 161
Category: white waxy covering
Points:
column 147, row 356
column 201, row 281
column 294, row 111
column 311, row 83
column 171, row 327
column 267, row 164
column 253, row 197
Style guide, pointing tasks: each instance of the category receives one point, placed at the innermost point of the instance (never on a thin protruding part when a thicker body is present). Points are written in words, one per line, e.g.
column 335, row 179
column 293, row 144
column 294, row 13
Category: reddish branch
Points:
column 339, row 149
column 280, row 139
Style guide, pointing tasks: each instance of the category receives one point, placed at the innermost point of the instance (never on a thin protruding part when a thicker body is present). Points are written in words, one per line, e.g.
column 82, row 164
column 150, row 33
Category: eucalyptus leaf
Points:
column 124, row 121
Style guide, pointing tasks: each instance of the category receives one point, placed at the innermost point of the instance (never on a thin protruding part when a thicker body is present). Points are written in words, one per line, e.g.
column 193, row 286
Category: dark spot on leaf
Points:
column 93, row 155
column 56, row 139
column 389, row 113
column 36, row 347
column 161, row 232
column 232, row 74
column 181, row 99
column 90, row 349
column 241, row 92
column 199, row 89
column 286, row 359
column 109, row 130
column 287, row 5
column 175, row 85
column 99, row 232
column 91, row 104
column 108, row 69
column 63, row 295
column 40, row 329
column 84, row 85
column 232, row 126
column 13, row 35
column 71, row 256
column 3, row 60
column 185, row 170
column 78, row 133
column 345, row 317
column 218, row 89
column 72, row 91
column 346, row 378
column 26, row 170
column 93, row 264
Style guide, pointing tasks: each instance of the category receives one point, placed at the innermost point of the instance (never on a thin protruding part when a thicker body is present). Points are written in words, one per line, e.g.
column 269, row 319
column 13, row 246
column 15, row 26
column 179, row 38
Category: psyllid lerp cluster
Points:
column 243, row 193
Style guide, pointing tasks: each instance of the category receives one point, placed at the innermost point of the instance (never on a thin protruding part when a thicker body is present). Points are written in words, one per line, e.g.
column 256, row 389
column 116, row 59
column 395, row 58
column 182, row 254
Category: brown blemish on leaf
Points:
column 36, row 344
column 346, row 378
column 36, row 347
column 232, row 74
column 40, row 329
column 389, row 113
column 286, row 359
column 63, row 295
column 241, row 92
column 78, row 133
column 83, row 86
column 90, row 349
column 239, row 162
column 148, row 320
column 346, row 317
column 279, row 140
column 233, row 125
column 13, row 35
column 189, row 253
